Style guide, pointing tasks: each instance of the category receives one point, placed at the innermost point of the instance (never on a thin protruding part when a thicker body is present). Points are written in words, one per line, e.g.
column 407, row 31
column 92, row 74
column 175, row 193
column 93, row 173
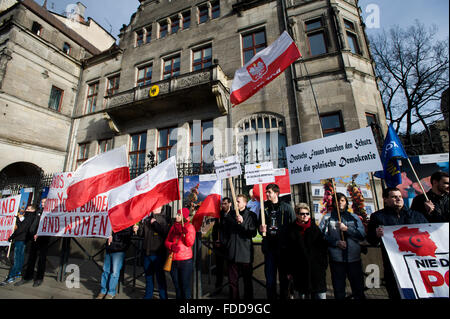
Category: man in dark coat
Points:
column 436, row 209
column 306, row 255
column 239, row 231
column 393, row 213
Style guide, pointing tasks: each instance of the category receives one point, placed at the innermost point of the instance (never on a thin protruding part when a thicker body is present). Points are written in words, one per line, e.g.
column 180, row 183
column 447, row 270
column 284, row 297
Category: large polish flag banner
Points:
column 210, row 207
column 131, row 202
column 265, row 66
column 98, row 175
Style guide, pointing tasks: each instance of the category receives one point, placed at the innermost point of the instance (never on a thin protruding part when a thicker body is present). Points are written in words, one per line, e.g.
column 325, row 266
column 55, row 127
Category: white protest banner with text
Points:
column 342, row 154
column 259, row 173
column 89, row 220
column 419, row 257
column 9, row 207
column 227, row 167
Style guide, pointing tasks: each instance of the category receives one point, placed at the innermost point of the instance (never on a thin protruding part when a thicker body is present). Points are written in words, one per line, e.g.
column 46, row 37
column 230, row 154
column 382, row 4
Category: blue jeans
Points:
column 181, row 274
column 272, row 261
column 19, row 256
column 153, row 264
column 353, row 271
column 111, row 272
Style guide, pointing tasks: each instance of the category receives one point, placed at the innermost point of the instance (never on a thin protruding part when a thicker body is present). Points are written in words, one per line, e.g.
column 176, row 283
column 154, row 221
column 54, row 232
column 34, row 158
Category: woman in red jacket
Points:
column 180, row 240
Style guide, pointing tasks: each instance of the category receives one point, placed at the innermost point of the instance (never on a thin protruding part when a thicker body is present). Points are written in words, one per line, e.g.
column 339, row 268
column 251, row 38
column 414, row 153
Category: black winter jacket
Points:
column 154, row 234
column 22, row 233
column 306, row 258
column 440, row 214
column 238, row 237
column 121, row 241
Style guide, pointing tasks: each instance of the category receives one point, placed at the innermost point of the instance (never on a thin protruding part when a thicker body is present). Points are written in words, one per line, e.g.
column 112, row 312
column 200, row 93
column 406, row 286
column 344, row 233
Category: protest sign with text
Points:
column 9, row 207
column 419, row 257
column 260, row 173
column 89, row 220
column 342, row 154
column 227, row 167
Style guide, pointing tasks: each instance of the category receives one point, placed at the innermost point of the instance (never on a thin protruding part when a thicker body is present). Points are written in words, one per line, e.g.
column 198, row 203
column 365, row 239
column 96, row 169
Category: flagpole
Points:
column 418, row 180
column 337, row 206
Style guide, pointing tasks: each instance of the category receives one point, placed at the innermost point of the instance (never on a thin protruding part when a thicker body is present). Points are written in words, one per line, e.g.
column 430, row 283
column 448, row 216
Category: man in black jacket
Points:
column 154, row 229
column 39, row 248
column 393, row 213
column 239, row 231
column 436, row 209
column 21, row 234
column 278, row 216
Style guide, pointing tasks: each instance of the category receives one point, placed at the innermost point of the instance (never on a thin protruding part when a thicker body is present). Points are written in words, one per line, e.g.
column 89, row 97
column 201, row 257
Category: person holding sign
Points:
column 278, row 215
column 116, row 248
column 154, row 229
column 20, row 237
column 306, row 255
column 180, row 240
column 393, row 213
column 239, row 231
column 343, row 232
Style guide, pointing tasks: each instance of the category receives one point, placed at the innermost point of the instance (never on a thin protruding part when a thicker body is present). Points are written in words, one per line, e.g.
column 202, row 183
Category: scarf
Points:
column 303, row 227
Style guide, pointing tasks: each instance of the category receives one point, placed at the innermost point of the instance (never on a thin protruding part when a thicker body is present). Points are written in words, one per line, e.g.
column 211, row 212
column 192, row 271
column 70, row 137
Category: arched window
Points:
column 261, row 138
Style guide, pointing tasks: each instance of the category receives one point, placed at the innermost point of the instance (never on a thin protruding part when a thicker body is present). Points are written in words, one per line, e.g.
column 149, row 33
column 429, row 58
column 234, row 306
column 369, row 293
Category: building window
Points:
column 373, row 123
column 144, row 75
column 174, row 24
column 332, row 124
column 148, row 35
column 91, row 100
column 202, row 58
column 253, row 43
column 36, row 28
column 167, row 138
column 139, row 38
column 351, row 37
column 316, row 207
column 186, row 19
column 113, row 85
column 317, row 192
column 83, row 153
column 137, row 150
column 56, row 96
column 203, row 14
column 262, row 137
column 105, row 145
column 315, row 33
column 215, row 9
column 171, row 67
column 66, row 48
column 163, row 29
column 201, row 147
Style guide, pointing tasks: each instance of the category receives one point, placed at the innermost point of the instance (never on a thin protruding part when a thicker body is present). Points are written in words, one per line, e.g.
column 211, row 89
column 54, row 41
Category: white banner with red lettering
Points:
column 9, row 207
column 89, row 220
column 419, row 258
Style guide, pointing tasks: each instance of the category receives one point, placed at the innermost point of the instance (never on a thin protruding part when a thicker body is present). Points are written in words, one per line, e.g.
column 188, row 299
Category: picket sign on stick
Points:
column 10, row 244
column 227, row 168
column 260, row 173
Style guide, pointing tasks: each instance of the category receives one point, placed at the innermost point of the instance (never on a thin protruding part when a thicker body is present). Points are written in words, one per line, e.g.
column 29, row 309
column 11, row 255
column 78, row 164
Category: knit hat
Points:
column 185, row 212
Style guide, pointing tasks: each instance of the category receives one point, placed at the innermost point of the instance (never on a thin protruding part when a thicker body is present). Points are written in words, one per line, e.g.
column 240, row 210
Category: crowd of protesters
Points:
column 297, row 250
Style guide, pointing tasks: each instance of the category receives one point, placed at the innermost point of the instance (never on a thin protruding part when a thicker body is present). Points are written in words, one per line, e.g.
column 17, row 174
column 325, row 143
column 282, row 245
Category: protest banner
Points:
column 342, row 154
column 227, row 168
column 419, row 257
column 258, row 174
column 9, row 207
column 89, row 220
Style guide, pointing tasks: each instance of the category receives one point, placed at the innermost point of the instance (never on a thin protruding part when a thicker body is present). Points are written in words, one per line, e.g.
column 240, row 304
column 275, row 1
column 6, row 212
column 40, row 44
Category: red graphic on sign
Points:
column 415, row 241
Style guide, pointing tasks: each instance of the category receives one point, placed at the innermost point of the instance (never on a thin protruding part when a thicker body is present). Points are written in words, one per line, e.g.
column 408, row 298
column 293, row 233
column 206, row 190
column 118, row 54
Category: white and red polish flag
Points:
column 129, row 203
column 210, row 205
column 98, row 175
column 265, row 66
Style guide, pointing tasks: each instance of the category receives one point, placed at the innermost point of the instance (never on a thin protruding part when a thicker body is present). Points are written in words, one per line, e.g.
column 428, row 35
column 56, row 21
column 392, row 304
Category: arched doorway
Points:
column 19, row 175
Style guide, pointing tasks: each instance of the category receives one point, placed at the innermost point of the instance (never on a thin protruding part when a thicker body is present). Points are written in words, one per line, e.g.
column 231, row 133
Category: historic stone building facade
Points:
column 164, row 88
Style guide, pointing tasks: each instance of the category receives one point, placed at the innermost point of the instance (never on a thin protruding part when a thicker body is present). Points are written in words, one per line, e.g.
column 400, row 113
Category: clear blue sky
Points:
column 111, row 14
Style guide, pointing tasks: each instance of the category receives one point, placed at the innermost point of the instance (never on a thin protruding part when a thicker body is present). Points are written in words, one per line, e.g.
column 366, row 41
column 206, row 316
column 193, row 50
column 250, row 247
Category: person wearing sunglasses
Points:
column 306, row 255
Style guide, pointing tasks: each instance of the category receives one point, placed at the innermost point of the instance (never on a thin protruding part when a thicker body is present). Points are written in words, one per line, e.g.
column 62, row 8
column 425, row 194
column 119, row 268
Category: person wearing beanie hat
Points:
column 180, row 240
column 306, row 255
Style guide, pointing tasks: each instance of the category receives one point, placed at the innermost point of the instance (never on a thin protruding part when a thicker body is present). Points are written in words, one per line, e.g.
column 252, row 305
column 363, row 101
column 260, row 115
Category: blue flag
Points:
column 391, row 152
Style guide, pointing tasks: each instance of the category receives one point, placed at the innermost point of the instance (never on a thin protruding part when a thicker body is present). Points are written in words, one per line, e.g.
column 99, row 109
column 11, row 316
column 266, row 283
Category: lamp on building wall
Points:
column 45, row 74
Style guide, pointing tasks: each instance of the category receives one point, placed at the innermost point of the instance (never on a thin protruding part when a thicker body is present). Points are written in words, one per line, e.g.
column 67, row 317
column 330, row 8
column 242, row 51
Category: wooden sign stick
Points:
column 261, row 205
column 233, row 194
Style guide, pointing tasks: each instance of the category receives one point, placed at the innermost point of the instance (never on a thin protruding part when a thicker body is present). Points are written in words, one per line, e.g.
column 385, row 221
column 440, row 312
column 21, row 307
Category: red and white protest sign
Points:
column 419, row 257
column 9, row 207
column 89, row 220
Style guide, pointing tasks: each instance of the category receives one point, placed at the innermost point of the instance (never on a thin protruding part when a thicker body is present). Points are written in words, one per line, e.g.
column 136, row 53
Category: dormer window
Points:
column 36, row 28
